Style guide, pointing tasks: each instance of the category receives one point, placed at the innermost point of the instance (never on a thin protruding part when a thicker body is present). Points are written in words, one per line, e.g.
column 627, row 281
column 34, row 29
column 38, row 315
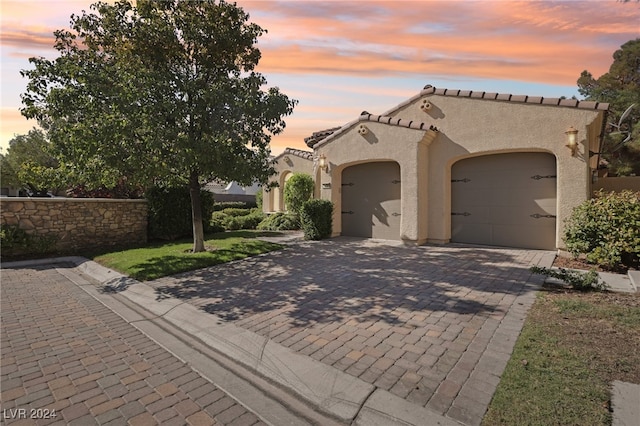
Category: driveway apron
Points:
column 434, row 325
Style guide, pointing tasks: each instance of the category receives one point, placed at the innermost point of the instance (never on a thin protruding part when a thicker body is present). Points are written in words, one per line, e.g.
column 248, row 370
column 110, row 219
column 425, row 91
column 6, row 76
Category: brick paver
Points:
column 64, row 353
column 430, row 324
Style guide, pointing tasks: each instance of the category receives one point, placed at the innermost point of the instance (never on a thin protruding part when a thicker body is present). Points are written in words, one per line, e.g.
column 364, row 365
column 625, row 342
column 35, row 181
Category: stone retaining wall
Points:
column 79, row 224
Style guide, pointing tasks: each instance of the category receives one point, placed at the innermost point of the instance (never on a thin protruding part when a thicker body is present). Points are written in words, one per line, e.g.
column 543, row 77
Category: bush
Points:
column 218, row 206
column 581, row 281
column 232, row 219
column 170, row 212
column 606, row 229
column 16, row 241
column 259, row 198
column 298, row 190
column 279, row 222
column 316, row 219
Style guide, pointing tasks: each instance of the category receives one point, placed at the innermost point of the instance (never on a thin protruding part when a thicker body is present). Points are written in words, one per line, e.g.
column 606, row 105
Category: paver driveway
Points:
column 433, row 324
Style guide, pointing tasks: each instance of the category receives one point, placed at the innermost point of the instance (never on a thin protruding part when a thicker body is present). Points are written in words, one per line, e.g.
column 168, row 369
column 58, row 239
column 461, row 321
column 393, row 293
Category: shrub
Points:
column 582, row 281
column 170, row 212
column 279, row 222
column 316, row 219
column 16, row 241
column 232, row 219
column 606, row 229
column 297, row 190
column 259, row 198
column 221, row 205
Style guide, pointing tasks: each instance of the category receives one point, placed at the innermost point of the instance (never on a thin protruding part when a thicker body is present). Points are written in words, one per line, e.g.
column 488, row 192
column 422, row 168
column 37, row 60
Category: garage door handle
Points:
column 465, row 180
column 460, row 214
column 538, row 216
column 349, row 212
column 538, row 177
column 396, row 214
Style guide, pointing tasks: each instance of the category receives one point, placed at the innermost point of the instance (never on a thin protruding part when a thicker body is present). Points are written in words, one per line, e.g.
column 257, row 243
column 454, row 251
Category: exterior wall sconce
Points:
column 322, row 163
column 572, row 139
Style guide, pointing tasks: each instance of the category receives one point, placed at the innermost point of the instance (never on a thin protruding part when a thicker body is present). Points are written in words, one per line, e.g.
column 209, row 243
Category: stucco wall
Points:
column 79, row 223
column 467, row 127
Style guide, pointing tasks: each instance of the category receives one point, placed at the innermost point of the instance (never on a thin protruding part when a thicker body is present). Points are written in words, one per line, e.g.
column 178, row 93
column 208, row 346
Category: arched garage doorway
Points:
column 505, row 200
column 371, row 200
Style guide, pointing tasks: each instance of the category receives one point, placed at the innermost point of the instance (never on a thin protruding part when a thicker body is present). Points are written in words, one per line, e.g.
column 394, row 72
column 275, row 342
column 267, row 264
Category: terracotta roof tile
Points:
column 319, row 135
column 307, row 155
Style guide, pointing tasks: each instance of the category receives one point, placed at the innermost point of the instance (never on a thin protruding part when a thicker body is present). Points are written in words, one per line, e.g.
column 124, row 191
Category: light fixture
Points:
column 322, row 163
column 572, row 139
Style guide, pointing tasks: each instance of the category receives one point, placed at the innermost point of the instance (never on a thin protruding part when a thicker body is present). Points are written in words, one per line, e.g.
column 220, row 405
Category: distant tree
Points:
column 29, row 164
column 621, row 88
column 163, row 92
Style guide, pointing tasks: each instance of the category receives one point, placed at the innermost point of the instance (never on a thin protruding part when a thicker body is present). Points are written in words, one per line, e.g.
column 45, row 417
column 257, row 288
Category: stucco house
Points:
column 455, row 166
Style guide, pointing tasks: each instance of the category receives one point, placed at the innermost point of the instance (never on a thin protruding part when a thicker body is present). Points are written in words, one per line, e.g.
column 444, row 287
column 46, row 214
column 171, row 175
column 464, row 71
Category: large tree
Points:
column 621, row 88
column 162, row 92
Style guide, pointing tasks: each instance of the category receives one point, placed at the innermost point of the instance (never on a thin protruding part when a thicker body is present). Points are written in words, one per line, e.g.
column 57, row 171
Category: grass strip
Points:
column 168, row 258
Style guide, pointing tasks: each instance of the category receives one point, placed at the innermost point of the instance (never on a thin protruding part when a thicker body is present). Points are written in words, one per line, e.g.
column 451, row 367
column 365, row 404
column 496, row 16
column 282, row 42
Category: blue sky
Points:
column 338, row 58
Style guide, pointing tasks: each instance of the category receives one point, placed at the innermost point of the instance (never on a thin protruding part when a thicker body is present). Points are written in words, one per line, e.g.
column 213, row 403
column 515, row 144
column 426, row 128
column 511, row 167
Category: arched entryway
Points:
column 505, row 200
column 371, row 200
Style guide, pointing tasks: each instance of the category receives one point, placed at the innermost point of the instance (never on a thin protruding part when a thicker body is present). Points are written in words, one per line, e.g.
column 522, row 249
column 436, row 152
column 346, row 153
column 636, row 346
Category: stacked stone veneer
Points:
column 79, row 223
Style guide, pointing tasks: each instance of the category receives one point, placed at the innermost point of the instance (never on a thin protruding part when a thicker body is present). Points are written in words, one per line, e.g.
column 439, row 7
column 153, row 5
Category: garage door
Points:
column 371, row 200
column 505, row 200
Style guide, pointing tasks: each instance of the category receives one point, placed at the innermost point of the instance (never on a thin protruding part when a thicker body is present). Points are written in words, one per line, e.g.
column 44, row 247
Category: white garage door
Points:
column 505, row 200
column 371, row 200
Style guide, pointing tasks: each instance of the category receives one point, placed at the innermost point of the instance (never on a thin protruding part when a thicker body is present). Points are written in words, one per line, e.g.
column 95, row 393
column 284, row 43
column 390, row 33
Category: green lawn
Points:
column 572, row 346
column 168, row 258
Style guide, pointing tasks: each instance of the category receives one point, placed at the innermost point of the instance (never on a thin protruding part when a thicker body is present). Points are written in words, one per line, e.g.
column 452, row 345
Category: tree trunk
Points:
column 196, row 213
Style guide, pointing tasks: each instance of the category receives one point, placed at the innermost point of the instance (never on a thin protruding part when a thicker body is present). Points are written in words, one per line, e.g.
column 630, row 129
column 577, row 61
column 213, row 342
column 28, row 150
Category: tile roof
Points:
column 366, row 116
column 536, row 100
column 307, row 155
column 319, row 135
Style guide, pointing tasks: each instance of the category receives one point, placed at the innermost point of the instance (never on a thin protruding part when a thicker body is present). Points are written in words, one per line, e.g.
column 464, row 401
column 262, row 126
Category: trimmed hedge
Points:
column 233, row 219
column 170, row 212
column 316, row 218
column 279, row 222
column 298, row 190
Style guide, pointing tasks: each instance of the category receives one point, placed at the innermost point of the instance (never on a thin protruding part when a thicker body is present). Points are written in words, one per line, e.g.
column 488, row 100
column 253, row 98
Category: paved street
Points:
column 68, row 359
column 434, row 325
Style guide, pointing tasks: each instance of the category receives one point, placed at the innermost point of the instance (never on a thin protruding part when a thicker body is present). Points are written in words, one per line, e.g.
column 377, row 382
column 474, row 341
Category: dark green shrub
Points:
column 606, row 229
column 297, row 190
column 581, row 281
column 170, row 212
column 316, row 219
column 232, row 219
column 232, row 211
column 16, row 241
column 259, row 198
column 279, row 222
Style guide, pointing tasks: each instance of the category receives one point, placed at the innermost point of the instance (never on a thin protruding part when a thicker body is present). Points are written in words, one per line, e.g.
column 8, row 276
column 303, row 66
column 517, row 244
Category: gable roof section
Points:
column 319, row 135
column 367, row 117
column 504, row 97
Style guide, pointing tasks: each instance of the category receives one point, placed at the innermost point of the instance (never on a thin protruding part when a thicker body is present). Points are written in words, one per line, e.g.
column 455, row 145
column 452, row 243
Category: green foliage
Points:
column 581, row 281
column 606, row 229
column 316, row 218
column 163, row 92
column 29, row 164
column 620, row 87
column 170, row 212
column 259, row 200
column 297, row 190
column 233, row 219
column 279, row 222
column 221, row 205
column 16, row 241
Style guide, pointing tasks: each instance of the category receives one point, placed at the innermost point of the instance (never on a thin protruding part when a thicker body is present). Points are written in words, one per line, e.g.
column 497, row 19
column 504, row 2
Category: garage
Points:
column 505, row 200
column 371, row 200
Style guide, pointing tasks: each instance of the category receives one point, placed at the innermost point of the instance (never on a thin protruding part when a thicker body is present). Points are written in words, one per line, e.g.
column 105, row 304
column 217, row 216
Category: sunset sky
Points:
column 339, row 58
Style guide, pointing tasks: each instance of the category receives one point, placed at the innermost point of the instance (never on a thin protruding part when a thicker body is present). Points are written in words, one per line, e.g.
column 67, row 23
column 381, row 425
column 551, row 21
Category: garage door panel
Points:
column 505, row 199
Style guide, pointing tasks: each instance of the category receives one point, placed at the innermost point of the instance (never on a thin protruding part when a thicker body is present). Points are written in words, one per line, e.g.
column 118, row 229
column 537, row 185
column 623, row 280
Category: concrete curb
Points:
column 618, row 283
column 330, row 390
